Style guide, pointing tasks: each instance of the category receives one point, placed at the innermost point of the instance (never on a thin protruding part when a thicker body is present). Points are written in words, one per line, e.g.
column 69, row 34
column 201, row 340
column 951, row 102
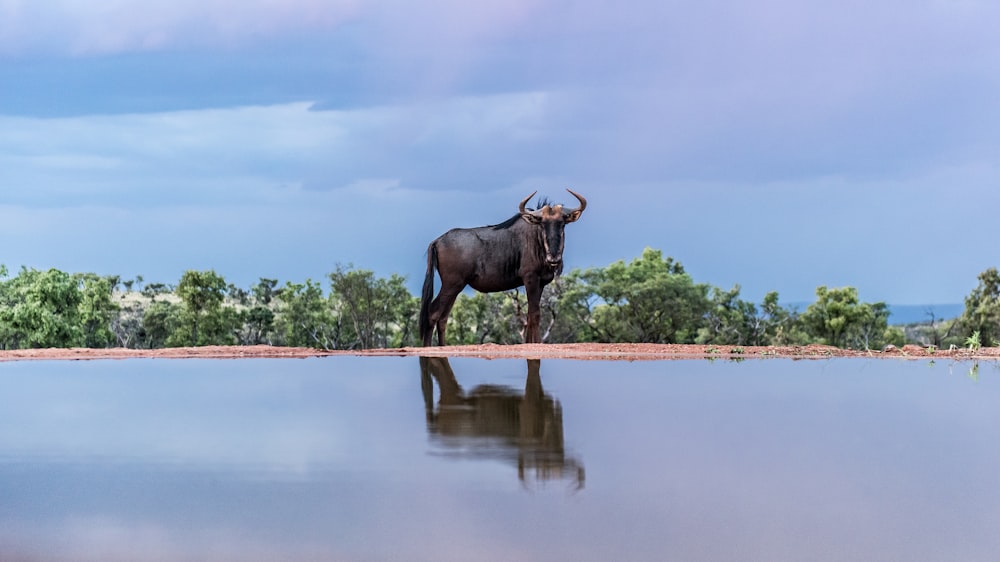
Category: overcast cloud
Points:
column 779, row 145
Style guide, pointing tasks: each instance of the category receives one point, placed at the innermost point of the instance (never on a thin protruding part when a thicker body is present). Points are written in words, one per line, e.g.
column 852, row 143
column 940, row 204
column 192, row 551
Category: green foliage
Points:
column 160, row 320
column 304, row 318
column 982, row 308
column 781, row 325
column 733, row 321
column 483, row 318
column 361, row 311
column 153, row 290
column 256, row 317
column 663, row 304
column 40, row 309
column 97, row 310
column 572, row 300
column 649, row 300
column 973, row 342
column 840, row 319
column 374, row 312
column 203, row 320
column 730, row 320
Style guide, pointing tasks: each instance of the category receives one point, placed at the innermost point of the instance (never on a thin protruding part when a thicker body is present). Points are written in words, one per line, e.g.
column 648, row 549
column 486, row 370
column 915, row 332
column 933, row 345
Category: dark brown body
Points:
column 525, row 250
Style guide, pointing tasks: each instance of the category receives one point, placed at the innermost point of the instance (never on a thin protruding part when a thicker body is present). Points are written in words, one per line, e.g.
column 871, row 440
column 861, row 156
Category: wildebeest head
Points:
column 553, row 220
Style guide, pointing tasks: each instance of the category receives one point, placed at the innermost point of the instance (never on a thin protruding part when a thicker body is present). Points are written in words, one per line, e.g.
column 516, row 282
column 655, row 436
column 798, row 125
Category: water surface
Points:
column 351, row 458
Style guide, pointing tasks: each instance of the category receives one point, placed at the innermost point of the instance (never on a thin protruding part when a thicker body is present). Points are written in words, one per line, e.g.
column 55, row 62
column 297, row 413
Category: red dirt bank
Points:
column 582, row 351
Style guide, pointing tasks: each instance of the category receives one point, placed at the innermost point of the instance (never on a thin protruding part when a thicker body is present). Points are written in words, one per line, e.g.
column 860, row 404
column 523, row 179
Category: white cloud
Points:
column 222, row 155
column 177, row 154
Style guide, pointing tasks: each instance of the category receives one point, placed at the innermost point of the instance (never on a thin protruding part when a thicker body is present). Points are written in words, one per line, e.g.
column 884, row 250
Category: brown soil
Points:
column 629, row 352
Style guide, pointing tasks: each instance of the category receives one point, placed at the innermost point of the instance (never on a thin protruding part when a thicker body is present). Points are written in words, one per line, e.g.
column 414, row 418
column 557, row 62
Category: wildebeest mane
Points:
column 513, row 220
column 507, row 223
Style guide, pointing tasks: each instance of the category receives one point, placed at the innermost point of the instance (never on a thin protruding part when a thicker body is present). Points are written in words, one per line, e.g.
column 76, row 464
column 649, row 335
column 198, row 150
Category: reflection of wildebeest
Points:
column 499, row 422
column 525, row 250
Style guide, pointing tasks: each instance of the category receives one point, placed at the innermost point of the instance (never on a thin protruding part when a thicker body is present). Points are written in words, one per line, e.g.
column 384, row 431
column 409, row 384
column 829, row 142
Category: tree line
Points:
column 650, row 299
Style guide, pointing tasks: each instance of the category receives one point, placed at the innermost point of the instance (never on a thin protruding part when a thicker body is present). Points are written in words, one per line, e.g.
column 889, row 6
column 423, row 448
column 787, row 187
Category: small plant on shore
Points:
column 972, row 342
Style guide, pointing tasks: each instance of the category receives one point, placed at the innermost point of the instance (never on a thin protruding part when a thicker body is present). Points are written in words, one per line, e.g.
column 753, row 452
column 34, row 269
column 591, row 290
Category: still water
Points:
column 350, row 458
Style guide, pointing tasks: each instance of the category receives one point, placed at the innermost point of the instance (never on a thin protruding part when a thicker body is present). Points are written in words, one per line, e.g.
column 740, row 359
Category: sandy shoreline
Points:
column 588, row 351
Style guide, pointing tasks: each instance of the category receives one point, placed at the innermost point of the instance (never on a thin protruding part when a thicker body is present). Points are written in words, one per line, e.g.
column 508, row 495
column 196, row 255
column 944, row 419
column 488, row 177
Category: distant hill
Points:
column 908, row 313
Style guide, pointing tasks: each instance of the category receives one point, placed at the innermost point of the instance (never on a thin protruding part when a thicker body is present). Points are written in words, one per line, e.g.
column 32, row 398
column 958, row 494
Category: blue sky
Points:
column 779, row 145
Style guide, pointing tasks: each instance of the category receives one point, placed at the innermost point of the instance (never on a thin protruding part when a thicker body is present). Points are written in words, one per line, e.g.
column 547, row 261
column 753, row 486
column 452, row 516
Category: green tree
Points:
column 734, row 321
column 498, row 318
column 649, row 300
column 40, row 309
column 203, row 321
column 573, row 304
column 8, row 299
column 98, row 310
column 263, row 292
column 153, row 290
column 257, row 317
column 161, row 319
column 840, row 319
column 472, row 318
column 781, row 326
column 375, row 312
column 730, row 320
column 304, row 317
column 982, row 309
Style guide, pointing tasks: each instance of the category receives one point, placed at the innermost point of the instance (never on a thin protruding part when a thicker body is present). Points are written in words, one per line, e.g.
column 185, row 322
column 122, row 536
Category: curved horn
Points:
column 524, row 202
column 575, row 213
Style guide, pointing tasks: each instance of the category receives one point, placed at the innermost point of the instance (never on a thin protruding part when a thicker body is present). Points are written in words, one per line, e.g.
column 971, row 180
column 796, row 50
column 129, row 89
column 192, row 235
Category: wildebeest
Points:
column 525, row 250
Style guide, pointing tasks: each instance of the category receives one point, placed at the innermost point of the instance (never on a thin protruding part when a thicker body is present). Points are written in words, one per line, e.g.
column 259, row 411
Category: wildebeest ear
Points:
column 530, row 218
column 571, row 217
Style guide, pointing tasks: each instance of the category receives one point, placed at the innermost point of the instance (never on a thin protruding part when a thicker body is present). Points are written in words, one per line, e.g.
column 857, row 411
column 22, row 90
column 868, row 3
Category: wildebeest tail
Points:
column 426, row 330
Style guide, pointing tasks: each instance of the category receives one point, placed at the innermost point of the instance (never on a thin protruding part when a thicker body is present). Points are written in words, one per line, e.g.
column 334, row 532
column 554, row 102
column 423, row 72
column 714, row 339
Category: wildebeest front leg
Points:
column 533, row 289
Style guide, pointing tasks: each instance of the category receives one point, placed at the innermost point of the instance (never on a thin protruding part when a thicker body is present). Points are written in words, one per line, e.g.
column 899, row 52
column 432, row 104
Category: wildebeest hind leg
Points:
column 440, row 309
